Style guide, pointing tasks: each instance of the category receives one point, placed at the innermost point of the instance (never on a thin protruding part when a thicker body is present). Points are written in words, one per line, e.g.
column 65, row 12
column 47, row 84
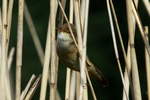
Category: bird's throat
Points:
column 64, row 41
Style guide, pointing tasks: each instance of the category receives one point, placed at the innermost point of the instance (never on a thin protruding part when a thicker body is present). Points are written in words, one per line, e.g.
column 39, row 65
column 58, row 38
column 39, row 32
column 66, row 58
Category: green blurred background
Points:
column 100, row 46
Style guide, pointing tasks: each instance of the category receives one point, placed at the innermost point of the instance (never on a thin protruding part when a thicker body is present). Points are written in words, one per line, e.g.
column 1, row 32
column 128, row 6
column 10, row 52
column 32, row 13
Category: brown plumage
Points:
column 68, row 53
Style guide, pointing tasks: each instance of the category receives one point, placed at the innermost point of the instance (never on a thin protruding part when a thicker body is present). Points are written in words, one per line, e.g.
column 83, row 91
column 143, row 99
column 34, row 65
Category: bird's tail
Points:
column 96, row 73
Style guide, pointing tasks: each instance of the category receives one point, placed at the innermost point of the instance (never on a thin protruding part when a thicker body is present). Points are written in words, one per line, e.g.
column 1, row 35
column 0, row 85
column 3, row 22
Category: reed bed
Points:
column 76, row 87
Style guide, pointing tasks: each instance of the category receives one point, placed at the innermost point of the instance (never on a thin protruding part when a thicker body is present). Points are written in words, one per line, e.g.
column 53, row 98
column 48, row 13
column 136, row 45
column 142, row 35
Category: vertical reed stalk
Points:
column 131, row 31
column 10, row 8
column 85, row 29
column 0, row 41
column 127, row 72
column 60, row 16
column 126, row 58
column 5, row 83
column 140, row 26
column 78, row 85
column 115, row 47
column 19, row 48
column 3, row 43
column 54, row 61
column 0, row 53
column 70, row 74
column 5, row 24
column 68, row 82
column 10, row 57
column 147, row 62
column 9, row 60
column 72, row 86
column 46, row 65
column 82, row 46
column 50, row 49
column 36, row 40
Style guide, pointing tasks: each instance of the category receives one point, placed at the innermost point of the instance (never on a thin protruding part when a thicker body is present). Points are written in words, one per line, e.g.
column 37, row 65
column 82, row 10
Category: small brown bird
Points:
column 69, row 55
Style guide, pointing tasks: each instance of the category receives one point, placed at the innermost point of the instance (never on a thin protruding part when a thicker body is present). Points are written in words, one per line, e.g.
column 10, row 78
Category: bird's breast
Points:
column 67, row 51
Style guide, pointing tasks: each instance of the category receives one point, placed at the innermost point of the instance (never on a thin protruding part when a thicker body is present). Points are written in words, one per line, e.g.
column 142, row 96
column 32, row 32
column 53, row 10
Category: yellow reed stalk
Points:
column 2, row 92
column 9, row 17
column 54, row 60
column 147, row 62
column 127, row 72
column 72, row 85
column 140, row 26
column 69, row 76
column 131, row 31
column 82, row 48
column 0, row 50
column 126, row 58
column 5, row 81
column 60, row 15
column 19, row 49
column 115, row 48
column 25, row 91
column 46, row 65
column 33, row 88
column 36, row 39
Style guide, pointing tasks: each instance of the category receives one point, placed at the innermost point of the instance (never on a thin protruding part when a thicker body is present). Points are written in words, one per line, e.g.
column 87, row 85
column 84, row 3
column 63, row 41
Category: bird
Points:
column 69, row 55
